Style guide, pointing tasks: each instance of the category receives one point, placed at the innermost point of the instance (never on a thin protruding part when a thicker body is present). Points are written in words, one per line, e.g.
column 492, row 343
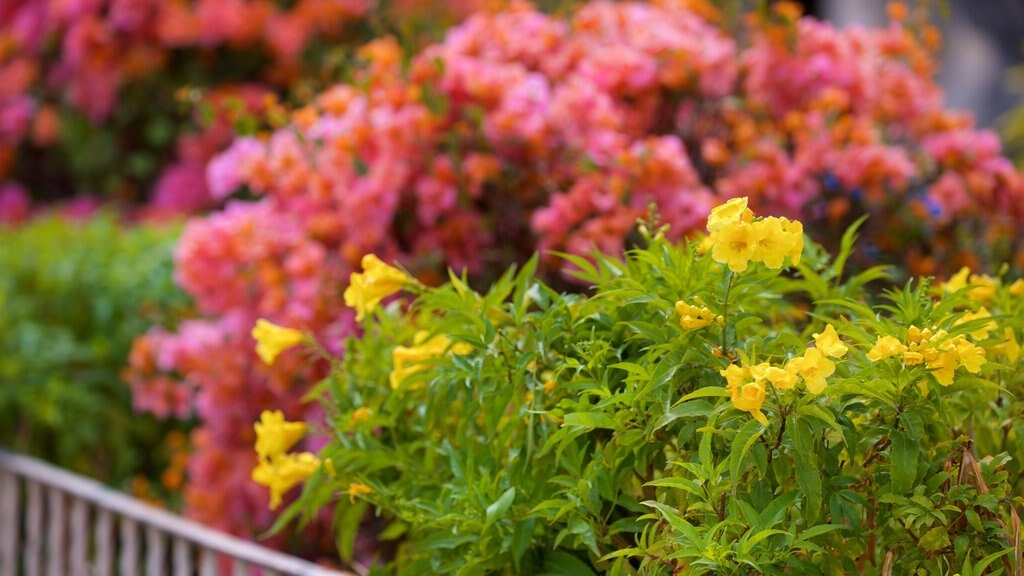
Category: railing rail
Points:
column 55, row 523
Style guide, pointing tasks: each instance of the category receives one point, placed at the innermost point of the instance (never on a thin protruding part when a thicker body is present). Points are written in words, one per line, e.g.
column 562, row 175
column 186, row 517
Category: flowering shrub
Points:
column 526, row 131
column 96, row 96
column 683, row 417
column 73, row 296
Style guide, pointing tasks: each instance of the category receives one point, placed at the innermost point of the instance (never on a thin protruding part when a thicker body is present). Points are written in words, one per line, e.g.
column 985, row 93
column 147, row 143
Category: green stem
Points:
column 725, row 315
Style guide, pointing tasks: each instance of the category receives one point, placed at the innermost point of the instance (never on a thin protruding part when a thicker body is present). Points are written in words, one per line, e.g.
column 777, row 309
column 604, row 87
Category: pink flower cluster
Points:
column 525, row 131
column 81, row 53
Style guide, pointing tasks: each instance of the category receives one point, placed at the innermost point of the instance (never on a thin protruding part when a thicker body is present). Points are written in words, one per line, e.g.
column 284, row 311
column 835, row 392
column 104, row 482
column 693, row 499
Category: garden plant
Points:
column 73, row 296
column 525, row 132
column 738, row 403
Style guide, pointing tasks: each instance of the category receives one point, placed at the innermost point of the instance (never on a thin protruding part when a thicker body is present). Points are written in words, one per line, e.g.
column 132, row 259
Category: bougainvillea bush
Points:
column 524, row 131
column 738, row 405
column 128, row 99
column 73, row 296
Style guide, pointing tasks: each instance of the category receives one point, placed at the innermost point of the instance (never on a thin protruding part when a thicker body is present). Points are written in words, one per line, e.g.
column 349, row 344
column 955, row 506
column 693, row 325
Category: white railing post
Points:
column 10, row 530
column 34, row 530
column 172, row 545
column 55, row 544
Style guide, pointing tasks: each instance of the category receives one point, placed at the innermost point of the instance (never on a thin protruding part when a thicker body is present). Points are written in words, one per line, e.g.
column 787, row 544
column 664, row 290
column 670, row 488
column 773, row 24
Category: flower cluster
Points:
column 695, row 317
column 524, row 131
column 738, row 239
column 941, row 353
column 278, row 469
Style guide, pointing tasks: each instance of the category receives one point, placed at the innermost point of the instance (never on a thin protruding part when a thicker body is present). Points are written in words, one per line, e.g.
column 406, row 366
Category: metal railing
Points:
column 55, row 523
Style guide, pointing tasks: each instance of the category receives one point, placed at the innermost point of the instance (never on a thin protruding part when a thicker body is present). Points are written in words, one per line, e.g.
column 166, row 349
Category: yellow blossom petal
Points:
column 735, row 244
column 284, row 472
column 886, row 347
column 275, row 435
column 272, row 339
column 829, row 343
column 375, row 283
column 781, row 379
column 731, row 211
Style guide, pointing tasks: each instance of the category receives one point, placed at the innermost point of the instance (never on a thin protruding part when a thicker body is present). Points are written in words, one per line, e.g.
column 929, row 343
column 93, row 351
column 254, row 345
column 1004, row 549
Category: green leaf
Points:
column 808, row 479
column 563, row 564
column 677, row 522
column 521, row 539
column 706, row 392
column 680, row 483
column 741, row 444
column 935, row 539
column 498, row 508
column 902, row 462
column 819, row 530
column 591, row 420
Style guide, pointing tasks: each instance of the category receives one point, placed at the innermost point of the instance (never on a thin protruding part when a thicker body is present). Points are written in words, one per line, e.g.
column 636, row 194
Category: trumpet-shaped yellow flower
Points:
column 795, row 245
column 943, row 366
column 886, row 347
column 814, row 368
column 958, row 281
column 749, row 397
column 735, row 375
column 732, row 211
column 735, row 245
column 376, row 282
column 284, row 472
column 780, row 378
column 272, row 339
column 408, row 360
column 971, row 357
column 1009, row 348
column 829, row 343
column 771, row 242
column 980, row 333
column 275, row 435
column 983, row 287
column 694, row 318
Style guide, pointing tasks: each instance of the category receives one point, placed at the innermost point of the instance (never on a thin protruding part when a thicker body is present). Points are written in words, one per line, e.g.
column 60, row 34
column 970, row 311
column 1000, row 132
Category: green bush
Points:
column 73, row 295
column 680, row 418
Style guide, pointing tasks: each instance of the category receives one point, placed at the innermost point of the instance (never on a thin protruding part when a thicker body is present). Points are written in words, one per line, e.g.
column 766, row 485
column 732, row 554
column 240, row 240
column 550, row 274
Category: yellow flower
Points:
column 971, row 357
column 1017, row 288
column 814, row 368
column 983, row 286
column 375, row 283
column 943, row 366
column 958, row 281
column 275, row 435
column 272, row 339
column 829, row 343
column 694, row 318
column 795, row 244
column 735, row 244
column 749, row 397
column 770, row 242
column 284, row 472
column 731, row 211
column 980, row 333
column 356, row 489
column 1009, row 348
column 780, row 378
column 408, row 360
column 912, row 357
column 886, row 347
column 735, row 375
